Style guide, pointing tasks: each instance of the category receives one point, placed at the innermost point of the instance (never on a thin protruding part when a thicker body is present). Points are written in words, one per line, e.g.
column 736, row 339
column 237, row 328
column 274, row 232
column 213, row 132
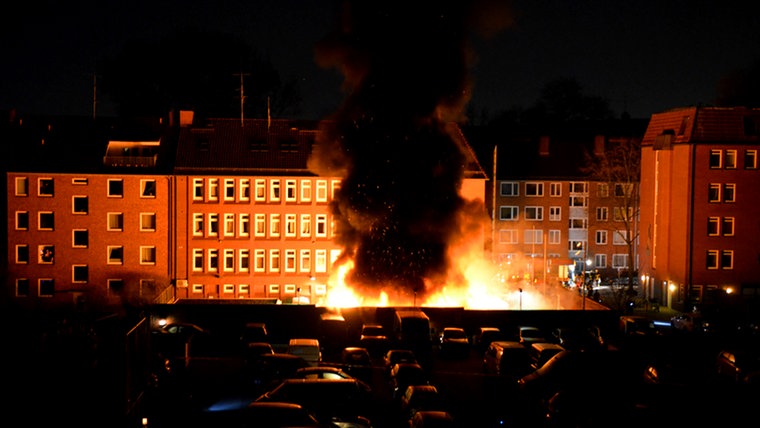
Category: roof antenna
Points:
column 242, row 95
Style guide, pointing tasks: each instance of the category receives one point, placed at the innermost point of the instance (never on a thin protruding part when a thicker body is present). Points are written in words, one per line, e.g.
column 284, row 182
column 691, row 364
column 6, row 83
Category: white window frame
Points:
column 259, row 260
column 260, row 225
column 601, row 237
column 619, row 237
column 290, row 260
column 244, row 260
column 228, row 260
column 291, row 194
column 244, row 225
column 74, row 233
column 555, row 213
column 508, row 236
column 534, row 189
column 244, row 190
column 211, row 259
column 22, row 186
column 145, row 222
column 602, row 214
column 45, row 214
column 274, row 190
column 600, row 261
column 290, row 225
column 304, row 230
column 555, row 190
column 321, row 226
column 229, row 189
column 213, row 224
column 555, row 236
column 274, row 225
column 305, row 260
column 534, row 213
column 198, row 224
column 112, row 217
column 74, row 269
column 305, row 190
column 509, row 188
column 320, row 260
column 513, row 210
column 108, row 188
column 321, row 190
column 113, row 260
column 144, row 187
column 260, row 190
column 198, row 191
column 74, row 200
column 148, row 255
column 20, row 214
column 213, row 189
column 229, row 224
column 198, row 260
column 274, row 260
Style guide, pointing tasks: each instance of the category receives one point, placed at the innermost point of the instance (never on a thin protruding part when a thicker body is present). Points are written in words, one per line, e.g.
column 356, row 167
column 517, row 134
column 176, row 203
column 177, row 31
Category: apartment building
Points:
column 700, row 187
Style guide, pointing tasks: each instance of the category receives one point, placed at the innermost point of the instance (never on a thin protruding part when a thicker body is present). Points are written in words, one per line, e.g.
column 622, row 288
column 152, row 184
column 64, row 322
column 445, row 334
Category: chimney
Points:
column 543, row 145
column 599, row 145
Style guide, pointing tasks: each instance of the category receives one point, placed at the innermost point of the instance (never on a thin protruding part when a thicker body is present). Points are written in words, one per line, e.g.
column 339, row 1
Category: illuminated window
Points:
column 115, row 188
column 147, row 255
column 148, row 222
column 244, row 224
column 305, row 225
column 290, row 191
column 321, row 191
column 81, row 238
column 115, row 221
column 79, row 273
column 245, row 189
column 229, row 224
column 274, row 260
column 260, row 190
column 730, row 159
column 305, row 190
column 197, row 189
column 259, row 260
column 274, row 190
column 534, row 189
column 508, row 213
column 290, row 260
column 260, row 225
column 320, row 262
column 290, row 225
column 46, row 187
column 509, row 188
column 305, row 260
column 22, row 220
column 148, row 188
column 335, row 187
column 321, row 221
column 22, row 186
column 623, row 214
column 213, row 189
column 274, row 225
column 79, row 205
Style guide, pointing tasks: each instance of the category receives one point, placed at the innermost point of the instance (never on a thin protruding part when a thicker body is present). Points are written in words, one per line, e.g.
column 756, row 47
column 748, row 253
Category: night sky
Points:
column 643, row 56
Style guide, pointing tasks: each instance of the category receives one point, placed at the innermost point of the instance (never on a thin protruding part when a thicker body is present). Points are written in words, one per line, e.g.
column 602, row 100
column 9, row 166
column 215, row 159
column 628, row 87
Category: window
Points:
column 229, row 224
column 22, row 287
column 321, row 191
column 335, row 188
column 213, row 189
column 244, row 224
column 79, row 205
column 619, row 261
column 22, row 254
column 197, row 224
column 510, row 188
column 534, row 189
column 726, row 259
column 728, row 226
column 259, row 259
column 229, row 259
column 602, row 214
column 603, row 190
column 712, row 259
column 115, row 254
column 305, row 190
column 321, row 226
column 115, row 287
column 274, row 289
column 555, row 236
column 80, row 273
column 716, row 159
column 578, row 201
column 148, row 188
column 274, row 225
column 290, row 260
column 22, row 220
column 290, row 190
column 147, row 255
column 46, row 187
column 508, row 213
column 46, row 254
column 713, row 226
column 147, row 287
column 713, row 194
column 305, row 225
column 229, row 189
column 22, row 186
column 534, row 213
column 245, row 189
column 197, row 260
column 260, row 225
column 115, row 221
column 228, row 288
column 290, row 225
column 555, row 189
column 243, row 289
column 197, row 189
column 320, row 261
column 198, row 288
column 601, row 237
column 750, row 159
column 81, row 238
column 213, row 260
column 623, row 190
column 244, row 260
column 115, row 188
column 508, row 236
column 729, row 192
column 148, row 222
column 260, row 190
column 600, row 260
column 578, row 187
column 47, row 287
column 578, row 223
column 305, row 260
column 619, row 237
column 46, row 220
column 730, row 159
column 274, row 191
column 555, row 213
column 623, row 214
column 274, row 260
column 213, row 224
column 533, row 236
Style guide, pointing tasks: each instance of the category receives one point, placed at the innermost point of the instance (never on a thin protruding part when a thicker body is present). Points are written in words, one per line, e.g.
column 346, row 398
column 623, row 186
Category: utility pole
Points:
column 94, row 95
column 242, row 96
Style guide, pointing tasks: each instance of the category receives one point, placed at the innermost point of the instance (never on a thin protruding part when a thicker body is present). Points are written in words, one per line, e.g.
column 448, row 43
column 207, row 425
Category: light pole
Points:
column 520, row 289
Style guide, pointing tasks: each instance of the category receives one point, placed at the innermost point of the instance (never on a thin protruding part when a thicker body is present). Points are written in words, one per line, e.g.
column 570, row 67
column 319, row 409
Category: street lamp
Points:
column 520, row 289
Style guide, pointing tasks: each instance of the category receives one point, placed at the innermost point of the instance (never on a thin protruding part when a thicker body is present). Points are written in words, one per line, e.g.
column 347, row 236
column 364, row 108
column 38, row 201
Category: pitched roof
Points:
column 705, row 125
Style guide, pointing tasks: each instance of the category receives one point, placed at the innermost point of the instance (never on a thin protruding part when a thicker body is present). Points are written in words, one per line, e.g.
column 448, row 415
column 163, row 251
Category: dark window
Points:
column 81, row 238
column 47, row 187
column 81, row 273
column 22, row 287
column 47, row 287
column 149, row 189
column 80, row 204
column 115, row 188
column 22, row 221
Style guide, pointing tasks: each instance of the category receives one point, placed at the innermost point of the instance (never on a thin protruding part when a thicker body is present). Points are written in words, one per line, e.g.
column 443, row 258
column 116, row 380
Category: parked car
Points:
column 254, row 350
column 395, row 356
column 308, row 349
column 357, row 362
column 419, row 397
column 690, row 322
column 273, row 368
column 258, row 414
column 507, row 358
column 579, row 338
column 485, row 336
column 739, row 365
column 431, row 419
column 530, row 334
column 453, row 342
column 320, row 372
column 374, row 338
column 254, row 332
column 405, row 374
column 541, row 352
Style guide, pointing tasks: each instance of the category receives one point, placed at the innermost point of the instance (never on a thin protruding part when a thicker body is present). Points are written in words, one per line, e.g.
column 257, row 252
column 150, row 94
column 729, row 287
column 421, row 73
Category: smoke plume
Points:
column 406, row 81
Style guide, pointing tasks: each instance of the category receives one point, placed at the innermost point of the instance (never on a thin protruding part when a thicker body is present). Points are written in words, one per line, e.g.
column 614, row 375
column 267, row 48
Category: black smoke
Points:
column 406, row 79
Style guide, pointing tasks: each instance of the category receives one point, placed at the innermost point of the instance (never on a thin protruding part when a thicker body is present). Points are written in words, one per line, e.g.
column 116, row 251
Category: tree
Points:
column 619, row 167
column 196, row 70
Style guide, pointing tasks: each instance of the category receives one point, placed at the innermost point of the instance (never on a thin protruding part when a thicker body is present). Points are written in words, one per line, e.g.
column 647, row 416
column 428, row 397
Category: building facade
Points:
column 699, row 190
